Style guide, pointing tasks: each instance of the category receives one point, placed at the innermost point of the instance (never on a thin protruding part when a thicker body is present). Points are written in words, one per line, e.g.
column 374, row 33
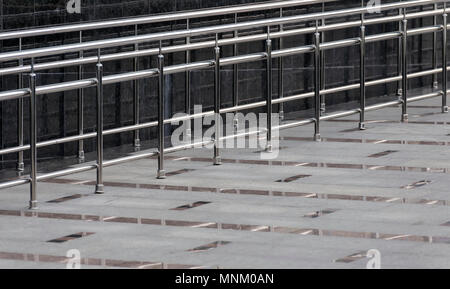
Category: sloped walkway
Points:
column 319, row 205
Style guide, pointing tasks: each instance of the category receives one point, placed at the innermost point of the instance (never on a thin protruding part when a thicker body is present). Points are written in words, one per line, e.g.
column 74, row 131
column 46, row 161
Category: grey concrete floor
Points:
column 346, row 198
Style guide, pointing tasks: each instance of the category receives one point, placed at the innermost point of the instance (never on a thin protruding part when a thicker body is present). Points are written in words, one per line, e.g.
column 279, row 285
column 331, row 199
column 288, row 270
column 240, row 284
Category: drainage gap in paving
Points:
column 318, row 214
column 417, row 185
column 210, row 246
column 322, row 165
column 263, row 151
column 350, row 130
column 237, row 191
column 239, row 227
column 382, row 154
column 71, row 237
column 293, row 179
column 65, row 199
column 179, row 172
column 370, row 141
column 95, row 261
column 190, row 206
column 352, row 258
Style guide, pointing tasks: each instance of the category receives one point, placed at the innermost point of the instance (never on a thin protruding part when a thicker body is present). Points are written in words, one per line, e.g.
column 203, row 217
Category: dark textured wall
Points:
column 57, row 113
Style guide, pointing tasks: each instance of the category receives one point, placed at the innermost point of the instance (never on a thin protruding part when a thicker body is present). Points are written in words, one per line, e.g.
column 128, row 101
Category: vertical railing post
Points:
column 33, row 139
column 161, row 172
column 399, row 57
column 362, row 119
column 20, row 161
column 404, row 68
column 323, row 105
column 236, row 76
column 434, row 60
column 217, row 96
column 235, row 68
column 317, row 104
column 281, row 73
column 81, row 155
column 269, row 109
column 444, row 61
column 137, row 134
column 187, row 100
column 99, row 188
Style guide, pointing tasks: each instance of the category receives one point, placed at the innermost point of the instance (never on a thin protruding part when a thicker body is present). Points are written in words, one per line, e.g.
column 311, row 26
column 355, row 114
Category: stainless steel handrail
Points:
column 168, row 17
column 268, row 55
column 123, row 41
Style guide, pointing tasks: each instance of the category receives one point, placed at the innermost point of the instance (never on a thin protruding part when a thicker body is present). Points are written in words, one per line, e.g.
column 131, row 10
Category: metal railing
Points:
column 275, row 28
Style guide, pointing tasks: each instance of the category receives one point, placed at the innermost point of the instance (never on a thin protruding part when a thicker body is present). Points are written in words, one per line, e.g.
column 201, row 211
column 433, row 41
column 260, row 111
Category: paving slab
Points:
column 316, row 205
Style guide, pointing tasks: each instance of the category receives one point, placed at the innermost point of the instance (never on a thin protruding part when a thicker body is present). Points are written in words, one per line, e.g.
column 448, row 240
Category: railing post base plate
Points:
column 20, row 167
column 362, row 126
column 405, row 118
column 33, row 205
column 269, row 148
column 99, row 189
column 81, row 156
column 317, row 137
column 323, row 109
column 445, row 109
column 217, row 161
column 161, row 175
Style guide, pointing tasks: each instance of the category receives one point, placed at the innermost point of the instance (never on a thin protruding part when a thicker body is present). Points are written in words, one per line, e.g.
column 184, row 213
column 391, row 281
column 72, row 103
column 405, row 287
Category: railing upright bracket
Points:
column 20, row 102
column 404, row 68
column 81, row 155
column 281, row 73
column 317, row 98
column 136, row 96
column 217, row 96
column 362, row 124
column 444, row 62
column 99, row 188
column 269, row 99
column 33, row 140
column 161, row 172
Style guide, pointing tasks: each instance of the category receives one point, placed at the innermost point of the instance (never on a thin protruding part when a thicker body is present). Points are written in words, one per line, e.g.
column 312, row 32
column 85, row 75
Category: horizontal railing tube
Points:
column 130, row 76
column 199, row 45
column 99, row 81
column 123, row 41
column 157, row 18
column 209, row 113
column 109, row 163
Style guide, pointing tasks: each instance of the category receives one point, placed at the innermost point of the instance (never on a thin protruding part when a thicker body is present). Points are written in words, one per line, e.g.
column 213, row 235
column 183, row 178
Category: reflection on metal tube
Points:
column 33, row 140
column 317, row 86
column 444, row 64
column 269, row 108
column 161, row 174
column 405, row 70
column 99, row 188
column 20, row 160
column 217, row 118
column 362, row 119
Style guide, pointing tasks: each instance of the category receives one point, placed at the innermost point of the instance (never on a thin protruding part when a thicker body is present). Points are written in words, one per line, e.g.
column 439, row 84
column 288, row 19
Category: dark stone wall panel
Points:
column 57, row 115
